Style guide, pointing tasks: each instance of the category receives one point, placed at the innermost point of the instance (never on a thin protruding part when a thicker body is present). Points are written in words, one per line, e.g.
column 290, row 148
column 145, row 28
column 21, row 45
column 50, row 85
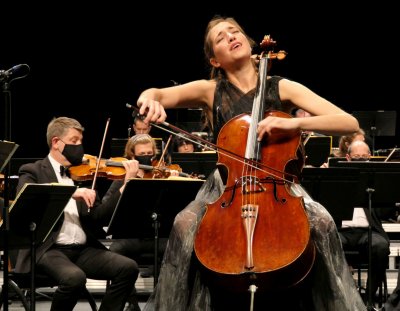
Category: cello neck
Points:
column 257, row 113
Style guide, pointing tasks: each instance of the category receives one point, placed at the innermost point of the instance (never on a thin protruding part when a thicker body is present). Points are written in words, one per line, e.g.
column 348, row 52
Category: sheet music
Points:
column 41, row 204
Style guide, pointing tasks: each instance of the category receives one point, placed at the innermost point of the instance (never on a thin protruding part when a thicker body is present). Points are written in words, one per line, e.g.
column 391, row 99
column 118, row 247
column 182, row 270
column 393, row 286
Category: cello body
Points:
column 256, row 233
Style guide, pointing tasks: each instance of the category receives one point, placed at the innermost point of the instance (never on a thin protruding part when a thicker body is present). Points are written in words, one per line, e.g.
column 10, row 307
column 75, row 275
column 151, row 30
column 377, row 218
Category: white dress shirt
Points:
column 359, row 219
column 71, row 230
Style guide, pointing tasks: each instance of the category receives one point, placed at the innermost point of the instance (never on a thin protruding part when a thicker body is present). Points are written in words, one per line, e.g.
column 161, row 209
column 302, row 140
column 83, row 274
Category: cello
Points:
column 256, row 235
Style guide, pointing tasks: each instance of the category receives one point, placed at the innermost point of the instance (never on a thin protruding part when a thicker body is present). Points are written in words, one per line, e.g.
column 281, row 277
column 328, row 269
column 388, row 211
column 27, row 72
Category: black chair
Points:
column 358, row 263
column 19, row 285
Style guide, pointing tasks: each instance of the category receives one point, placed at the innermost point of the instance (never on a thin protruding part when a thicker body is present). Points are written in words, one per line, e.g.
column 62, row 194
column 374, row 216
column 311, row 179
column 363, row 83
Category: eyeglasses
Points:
column 360, row 157
column 355, row 156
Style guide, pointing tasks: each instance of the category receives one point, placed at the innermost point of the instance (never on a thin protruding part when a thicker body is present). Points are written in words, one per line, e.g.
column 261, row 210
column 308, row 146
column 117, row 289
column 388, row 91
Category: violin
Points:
column 159, row 169
column 113, row 169
column 86, row 170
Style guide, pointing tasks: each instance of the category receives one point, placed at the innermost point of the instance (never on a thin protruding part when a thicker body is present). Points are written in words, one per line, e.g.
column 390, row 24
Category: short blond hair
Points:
column 137, row 140
column 58, row 127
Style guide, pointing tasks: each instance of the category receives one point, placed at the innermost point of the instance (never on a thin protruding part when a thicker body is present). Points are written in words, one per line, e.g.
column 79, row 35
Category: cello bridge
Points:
column 251, row 184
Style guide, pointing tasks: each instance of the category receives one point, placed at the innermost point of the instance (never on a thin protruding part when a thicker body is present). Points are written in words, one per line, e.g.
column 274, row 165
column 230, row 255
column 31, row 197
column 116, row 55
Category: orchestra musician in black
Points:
column 142, row 148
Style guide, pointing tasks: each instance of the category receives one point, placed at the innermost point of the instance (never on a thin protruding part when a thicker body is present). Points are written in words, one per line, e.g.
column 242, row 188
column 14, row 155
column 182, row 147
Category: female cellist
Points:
column 229, row 93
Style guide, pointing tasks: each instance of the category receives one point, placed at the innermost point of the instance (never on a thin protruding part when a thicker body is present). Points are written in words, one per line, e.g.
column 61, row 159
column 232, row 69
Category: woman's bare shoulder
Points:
column 200, row 92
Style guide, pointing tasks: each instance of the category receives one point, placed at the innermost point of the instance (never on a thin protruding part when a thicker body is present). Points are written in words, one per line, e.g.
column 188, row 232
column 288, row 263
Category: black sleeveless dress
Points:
column 229, row 101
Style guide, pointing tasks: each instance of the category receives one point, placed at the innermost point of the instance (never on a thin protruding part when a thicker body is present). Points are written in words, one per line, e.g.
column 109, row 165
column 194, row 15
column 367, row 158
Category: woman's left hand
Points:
column 275, row 125
column 131, row 169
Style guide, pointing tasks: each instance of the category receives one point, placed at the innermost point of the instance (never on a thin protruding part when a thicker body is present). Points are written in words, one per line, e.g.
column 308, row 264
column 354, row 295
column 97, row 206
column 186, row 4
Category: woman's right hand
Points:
column 151, row 109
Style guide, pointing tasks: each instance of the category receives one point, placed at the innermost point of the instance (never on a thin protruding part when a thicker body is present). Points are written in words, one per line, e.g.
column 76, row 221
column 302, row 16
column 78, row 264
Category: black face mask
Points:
column 144, row 159
column 73, row 153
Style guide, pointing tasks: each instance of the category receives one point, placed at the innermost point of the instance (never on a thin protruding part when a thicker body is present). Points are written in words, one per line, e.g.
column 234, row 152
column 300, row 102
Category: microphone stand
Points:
column 5, row 213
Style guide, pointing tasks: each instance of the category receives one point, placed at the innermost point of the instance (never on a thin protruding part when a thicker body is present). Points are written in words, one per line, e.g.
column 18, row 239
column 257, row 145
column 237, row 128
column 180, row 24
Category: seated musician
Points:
column 344, row 143
column 354, row 233
column 346, row 140
column 182, row 145
column 142, row 148
column 72, row 252
column 139, row 127
column 230, row 92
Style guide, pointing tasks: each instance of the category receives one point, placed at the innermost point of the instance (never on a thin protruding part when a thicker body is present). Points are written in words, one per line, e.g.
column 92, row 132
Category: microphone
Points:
column 16, row 72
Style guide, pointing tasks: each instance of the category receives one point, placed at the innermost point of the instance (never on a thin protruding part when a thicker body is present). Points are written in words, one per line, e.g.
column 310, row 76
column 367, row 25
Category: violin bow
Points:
column 163, row 155
column 99, row 157
column 390, row 154
column 164, row 151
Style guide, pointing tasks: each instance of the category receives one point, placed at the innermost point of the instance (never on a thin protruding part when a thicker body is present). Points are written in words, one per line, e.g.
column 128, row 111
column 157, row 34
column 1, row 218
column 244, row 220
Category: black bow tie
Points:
column 64, row 171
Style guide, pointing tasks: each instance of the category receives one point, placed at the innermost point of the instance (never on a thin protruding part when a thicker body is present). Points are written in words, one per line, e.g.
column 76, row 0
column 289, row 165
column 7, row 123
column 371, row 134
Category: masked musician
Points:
column 142, row 148
column 73, row 252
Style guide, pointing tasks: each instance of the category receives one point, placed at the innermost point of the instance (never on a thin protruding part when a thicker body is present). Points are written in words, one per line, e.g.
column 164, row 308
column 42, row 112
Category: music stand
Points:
column 196, row 162
column 33, row 215
column 377, row 123
column 147, row 209
column 382, row 190
column 317, row 150
column 339, row 190
column 380, row 182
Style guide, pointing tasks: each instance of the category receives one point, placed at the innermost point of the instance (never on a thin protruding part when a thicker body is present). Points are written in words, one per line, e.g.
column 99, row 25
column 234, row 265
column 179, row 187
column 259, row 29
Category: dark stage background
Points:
column 86, row 61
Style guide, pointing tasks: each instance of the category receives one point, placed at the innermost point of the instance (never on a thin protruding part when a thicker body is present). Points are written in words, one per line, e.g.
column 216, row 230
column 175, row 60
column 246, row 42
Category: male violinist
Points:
column 72, row 252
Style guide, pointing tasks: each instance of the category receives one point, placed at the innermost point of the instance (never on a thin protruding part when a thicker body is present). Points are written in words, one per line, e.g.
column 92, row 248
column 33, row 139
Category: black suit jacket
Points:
column 376, row 223
column 92, row 223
